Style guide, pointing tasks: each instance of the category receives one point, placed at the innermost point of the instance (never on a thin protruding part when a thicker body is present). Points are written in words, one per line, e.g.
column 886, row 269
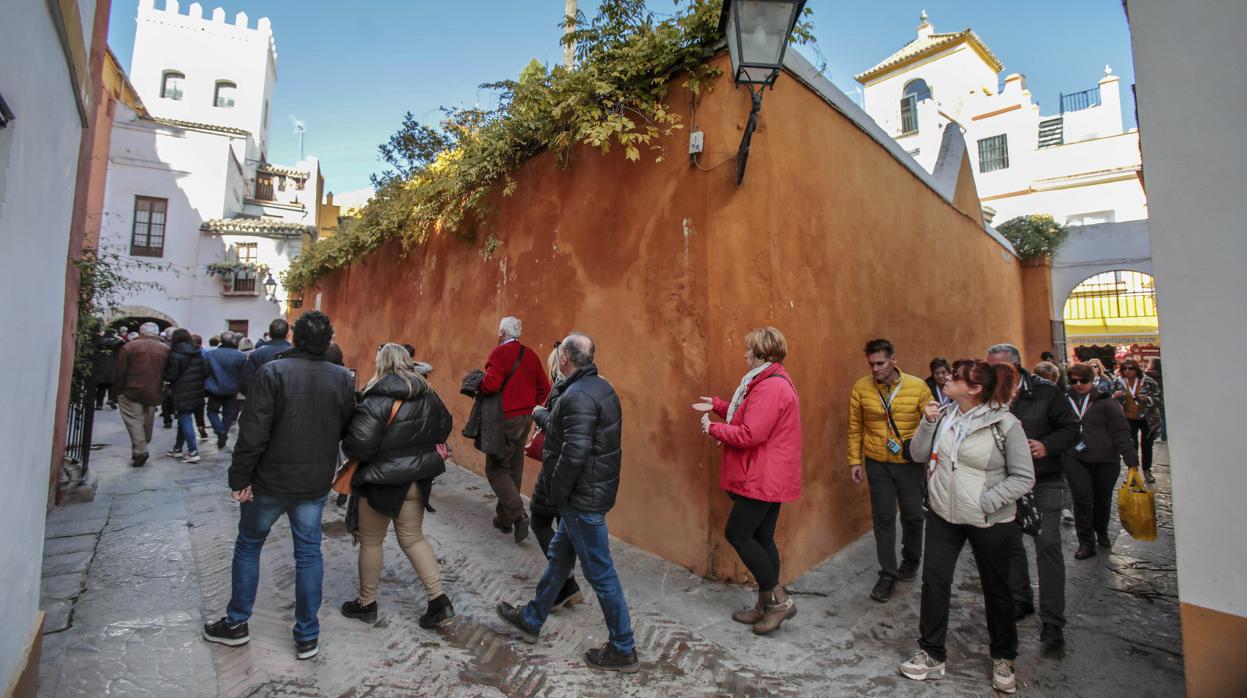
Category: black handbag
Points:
column 1029, row 519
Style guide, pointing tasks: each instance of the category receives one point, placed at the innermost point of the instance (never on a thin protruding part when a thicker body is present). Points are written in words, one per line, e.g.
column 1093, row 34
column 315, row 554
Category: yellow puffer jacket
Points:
column 868, row 423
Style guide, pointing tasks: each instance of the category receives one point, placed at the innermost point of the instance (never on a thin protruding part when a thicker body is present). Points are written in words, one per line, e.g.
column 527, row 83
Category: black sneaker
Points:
column 1102, row 540
column 221, row 439
column 607, row 658
column 1051, row 636
column 1148, row 476
column 1021, row 610
column 223, row 633
column 1084, row 551
column 521, row 529
column 306, row 649
column 883, row 588
column 512, row 615
column 505, row 528
column 908, row 571
column 439, row 614
column 569, row 595
column 354, row 609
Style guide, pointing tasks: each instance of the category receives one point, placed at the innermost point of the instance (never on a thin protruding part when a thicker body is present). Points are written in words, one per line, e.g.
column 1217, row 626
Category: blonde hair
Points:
column 768, row 344
column 1098, row 367
column 552, row 366
column 394, row 360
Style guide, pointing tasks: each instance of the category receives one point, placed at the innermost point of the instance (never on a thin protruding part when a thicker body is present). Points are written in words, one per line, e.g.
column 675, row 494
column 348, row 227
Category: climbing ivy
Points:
column 1034, row 235
column 444, row 179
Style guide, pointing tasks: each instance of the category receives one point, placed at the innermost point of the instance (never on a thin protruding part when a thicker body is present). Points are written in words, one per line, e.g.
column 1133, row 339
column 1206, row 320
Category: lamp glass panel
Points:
column 764, row 26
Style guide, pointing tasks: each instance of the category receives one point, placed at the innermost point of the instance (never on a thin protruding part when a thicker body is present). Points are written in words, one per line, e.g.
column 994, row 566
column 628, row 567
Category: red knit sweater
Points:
column 529, row 386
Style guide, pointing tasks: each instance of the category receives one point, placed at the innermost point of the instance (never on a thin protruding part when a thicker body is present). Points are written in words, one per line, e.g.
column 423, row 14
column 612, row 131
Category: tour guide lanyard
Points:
column 1080, row 411
column 887, row 404
column 1134, row 390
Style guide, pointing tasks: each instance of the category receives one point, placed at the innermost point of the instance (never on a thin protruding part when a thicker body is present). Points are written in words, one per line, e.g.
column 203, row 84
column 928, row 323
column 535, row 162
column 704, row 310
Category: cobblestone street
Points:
column 129, row 577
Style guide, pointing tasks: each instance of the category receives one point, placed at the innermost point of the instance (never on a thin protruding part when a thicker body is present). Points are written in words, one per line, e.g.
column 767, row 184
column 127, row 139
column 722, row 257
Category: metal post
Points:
column 569, row 48
column 742, row 155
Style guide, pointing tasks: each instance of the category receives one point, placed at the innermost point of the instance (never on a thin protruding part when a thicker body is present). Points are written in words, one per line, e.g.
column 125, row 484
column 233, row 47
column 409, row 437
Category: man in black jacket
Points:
column 262, row 354
column 298, row 409
column 580, row 466
column 1051, row 427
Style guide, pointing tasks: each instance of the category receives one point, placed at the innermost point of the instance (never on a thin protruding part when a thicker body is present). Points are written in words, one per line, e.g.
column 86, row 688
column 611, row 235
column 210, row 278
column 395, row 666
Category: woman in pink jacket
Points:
column 761, row 468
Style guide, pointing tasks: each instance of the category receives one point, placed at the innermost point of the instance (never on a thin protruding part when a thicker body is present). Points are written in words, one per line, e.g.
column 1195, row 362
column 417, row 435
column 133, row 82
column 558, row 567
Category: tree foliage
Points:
column 1034, row 235
column 443, row 179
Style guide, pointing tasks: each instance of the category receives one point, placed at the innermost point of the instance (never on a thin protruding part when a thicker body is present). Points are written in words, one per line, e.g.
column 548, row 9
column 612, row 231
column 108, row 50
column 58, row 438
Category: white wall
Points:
column 1094, row 249
column 38, row 167
column 1194, row 156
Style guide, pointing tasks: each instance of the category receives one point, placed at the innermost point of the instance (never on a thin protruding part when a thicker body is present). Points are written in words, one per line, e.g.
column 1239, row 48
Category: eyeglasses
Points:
column 1078, row 381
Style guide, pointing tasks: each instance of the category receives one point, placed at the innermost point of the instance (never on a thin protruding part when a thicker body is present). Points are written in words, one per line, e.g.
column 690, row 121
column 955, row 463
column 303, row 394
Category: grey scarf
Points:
column 739, row 396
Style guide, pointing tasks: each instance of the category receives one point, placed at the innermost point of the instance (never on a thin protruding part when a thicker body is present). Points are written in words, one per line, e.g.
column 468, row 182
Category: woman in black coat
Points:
column 394, row 436
column 1093, row 464
column 185, row 373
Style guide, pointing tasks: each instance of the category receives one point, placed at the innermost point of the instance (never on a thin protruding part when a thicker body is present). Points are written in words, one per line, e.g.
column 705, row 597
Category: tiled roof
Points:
column 279, row 170
column 927, row 45
column 255, row 226
column 203, row 127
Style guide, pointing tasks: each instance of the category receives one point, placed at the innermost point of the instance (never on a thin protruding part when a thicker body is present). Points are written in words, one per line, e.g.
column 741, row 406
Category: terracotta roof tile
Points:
column 255, row 226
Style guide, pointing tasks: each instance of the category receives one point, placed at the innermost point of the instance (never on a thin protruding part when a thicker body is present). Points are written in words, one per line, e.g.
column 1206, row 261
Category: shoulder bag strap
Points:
column 887, row 407
column 514, row 368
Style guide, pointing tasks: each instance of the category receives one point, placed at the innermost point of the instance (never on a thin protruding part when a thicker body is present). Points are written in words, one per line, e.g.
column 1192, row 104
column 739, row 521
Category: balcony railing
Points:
column 1077, row 101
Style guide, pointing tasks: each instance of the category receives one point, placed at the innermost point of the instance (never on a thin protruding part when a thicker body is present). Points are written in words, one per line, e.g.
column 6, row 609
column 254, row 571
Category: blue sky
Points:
column 350, row 70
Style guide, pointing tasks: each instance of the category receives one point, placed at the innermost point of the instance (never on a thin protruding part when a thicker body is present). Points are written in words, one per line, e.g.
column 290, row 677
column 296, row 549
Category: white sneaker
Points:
column 192, row 457
column 1067, row 516
column 920, row 666
column 1003, row 679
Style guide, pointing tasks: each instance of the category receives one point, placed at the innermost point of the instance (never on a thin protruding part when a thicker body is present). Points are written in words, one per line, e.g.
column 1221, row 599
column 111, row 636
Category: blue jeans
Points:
column 255, row 520
column 583, row 534
column 222, row 411
column 186, row 432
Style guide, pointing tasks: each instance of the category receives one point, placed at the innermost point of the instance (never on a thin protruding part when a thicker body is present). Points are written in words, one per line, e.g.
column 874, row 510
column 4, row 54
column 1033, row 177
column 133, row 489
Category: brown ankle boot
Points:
column 749, row 616
column 779, row 608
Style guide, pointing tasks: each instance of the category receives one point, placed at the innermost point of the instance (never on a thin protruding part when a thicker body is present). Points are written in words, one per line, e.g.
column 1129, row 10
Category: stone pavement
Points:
column 129, row 577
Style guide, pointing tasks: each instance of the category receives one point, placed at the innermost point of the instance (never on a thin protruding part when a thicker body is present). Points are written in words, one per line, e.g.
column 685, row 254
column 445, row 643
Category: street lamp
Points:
column 270, row 288
column 757, row 33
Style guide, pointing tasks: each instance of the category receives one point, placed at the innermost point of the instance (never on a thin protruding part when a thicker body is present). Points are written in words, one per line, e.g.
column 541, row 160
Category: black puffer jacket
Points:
column 582, row 456
column 1105, row 432
column 1046, row 417
column 104, row 358
column 297, row 411
column 185, row 372
column 540, row 502
column 392, row 458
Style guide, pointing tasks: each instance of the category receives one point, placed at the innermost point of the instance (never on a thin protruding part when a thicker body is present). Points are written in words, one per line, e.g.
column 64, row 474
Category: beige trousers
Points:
column 138, row 419
column 372, row 528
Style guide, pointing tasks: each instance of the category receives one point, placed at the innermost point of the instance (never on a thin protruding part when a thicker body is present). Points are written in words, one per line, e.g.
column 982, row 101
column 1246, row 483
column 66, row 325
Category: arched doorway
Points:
column 131, row 316
column 1111, row 313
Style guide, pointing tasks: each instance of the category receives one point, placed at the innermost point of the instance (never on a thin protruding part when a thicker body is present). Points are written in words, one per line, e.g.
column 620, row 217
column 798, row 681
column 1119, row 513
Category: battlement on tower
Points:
column 193, row 19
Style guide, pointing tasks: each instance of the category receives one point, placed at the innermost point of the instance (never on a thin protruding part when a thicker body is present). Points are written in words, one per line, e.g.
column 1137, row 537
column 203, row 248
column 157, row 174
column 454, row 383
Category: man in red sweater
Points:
column 518, row 373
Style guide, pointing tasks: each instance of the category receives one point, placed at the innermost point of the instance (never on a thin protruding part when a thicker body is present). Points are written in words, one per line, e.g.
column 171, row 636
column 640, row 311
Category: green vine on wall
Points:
column 104, row 280
column 444, row 179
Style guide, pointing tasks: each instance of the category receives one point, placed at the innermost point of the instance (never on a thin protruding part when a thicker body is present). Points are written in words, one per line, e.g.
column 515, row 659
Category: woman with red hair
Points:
column 980, row 465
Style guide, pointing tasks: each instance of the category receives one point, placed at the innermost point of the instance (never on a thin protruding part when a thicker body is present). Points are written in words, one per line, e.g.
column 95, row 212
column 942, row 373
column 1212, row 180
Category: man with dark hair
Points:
column 103, row 361
column 580, row 470
column 264, row 353
column 1051, row 427
column 224, row 381
column 297, row 412
column 884, row 411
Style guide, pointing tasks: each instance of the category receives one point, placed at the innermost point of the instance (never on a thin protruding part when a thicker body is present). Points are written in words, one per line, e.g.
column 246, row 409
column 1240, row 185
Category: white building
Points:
column 1078, row 164
column 191, row 198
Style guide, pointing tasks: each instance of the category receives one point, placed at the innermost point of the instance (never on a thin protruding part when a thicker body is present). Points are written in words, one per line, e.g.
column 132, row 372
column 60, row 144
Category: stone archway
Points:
column 134, row 315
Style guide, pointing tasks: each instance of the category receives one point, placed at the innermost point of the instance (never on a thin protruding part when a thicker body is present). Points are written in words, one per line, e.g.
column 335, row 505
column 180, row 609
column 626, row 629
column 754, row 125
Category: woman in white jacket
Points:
column 980, row 466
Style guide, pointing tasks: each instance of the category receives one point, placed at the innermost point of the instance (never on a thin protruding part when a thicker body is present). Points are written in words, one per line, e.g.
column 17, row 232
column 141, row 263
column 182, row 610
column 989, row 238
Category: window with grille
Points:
column 994, row 153
column 171, row 85
column 915, row 91
column 224, row 97
column 147, row 238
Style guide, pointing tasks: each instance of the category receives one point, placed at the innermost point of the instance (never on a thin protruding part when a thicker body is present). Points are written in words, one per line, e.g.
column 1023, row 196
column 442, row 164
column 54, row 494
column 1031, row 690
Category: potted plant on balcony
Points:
column 238, row 278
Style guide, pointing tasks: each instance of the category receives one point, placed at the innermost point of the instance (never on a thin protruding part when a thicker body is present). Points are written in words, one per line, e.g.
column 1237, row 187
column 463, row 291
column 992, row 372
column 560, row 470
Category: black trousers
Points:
column 1143, row 439
column 103, row 390
column 991, row 548
column 1049, row 557
column 892, row 484
column 1091, row 485
column 751, row 531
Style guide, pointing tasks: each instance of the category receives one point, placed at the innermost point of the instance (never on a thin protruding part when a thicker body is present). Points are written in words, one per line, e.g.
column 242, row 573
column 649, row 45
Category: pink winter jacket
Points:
column 762, row 444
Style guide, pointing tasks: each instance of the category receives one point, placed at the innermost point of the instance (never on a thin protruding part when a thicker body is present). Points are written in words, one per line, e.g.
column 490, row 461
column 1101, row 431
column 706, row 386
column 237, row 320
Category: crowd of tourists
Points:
column 975, row 453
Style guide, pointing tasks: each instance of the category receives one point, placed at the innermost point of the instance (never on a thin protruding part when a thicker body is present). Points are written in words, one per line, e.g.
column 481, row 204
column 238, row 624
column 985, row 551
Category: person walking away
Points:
column 185, row 373
column 975, row 446
column 1154, row 372
column 297, row 412
column 884, row 410
column 138, row 379
column 940, row 371
column 514, row 371
column 1049, row 372
column 1140, row 397
column 394, row 436
column 200, row 418
column 761, row 468
column 1051, row 429
column 103, row 363
column 224, row 381
column 582, row 459
column 1092, row 465
column 265, row 352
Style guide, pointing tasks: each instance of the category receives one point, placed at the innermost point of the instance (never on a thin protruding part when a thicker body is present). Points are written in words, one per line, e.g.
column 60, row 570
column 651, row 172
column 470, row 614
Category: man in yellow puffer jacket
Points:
column 879, row 444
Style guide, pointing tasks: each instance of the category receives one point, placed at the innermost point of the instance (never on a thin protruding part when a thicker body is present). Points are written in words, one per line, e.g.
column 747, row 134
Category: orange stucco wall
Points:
column 668, row 266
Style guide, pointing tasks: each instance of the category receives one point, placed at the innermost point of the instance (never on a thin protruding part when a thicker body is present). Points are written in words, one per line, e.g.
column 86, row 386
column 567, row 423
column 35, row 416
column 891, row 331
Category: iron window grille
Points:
column 994, row 153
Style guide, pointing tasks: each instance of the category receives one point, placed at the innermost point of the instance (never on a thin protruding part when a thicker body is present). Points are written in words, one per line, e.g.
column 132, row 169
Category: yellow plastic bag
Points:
column 1136, row 507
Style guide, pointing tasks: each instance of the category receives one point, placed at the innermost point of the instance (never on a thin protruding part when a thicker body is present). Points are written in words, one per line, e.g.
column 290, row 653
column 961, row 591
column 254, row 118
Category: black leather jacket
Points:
column 582, row 457
column 406, row 451
column 297, row 411
column 1046, row 417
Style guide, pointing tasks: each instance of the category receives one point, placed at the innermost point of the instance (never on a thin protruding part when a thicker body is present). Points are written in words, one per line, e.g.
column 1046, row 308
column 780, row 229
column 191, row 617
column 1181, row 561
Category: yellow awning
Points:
column 1111, row 326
